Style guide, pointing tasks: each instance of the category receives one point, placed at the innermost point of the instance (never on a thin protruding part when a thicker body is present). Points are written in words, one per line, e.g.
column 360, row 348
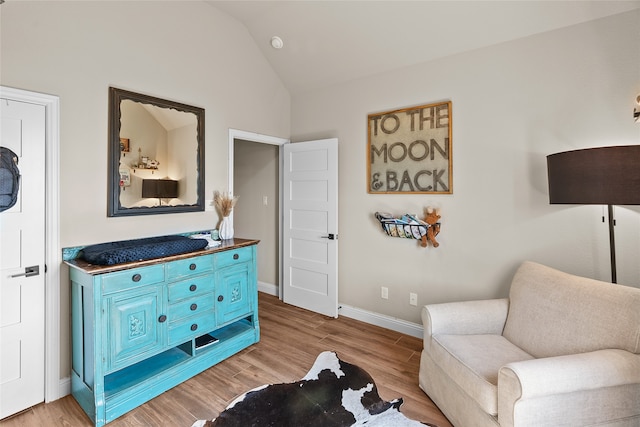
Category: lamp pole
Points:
column 612, row 244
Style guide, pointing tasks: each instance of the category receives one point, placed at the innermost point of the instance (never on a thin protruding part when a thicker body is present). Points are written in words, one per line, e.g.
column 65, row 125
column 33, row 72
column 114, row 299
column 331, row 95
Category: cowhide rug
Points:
column 334, row 393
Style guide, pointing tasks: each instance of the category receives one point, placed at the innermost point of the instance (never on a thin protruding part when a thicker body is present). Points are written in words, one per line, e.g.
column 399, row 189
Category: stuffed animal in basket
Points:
column 431, row 217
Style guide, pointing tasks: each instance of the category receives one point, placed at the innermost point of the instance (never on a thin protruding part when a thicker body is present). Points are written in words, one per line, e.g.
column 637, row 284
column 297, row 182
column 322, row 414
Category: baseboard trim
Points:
column 377, row 319
column 382, row 320
column 64, row 387
column 268, row 288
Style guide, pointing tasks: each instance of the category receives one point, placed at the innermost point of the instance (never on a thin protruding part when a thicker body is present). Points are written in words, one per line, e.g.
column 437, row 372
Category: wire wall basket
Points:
column 408, row 227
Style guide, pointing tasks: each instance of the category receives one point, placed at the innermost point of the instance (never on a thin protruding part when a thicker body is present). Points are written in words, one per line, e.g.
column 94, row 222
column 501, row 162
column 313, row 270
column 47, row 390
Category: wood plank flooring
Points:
column 291, row 339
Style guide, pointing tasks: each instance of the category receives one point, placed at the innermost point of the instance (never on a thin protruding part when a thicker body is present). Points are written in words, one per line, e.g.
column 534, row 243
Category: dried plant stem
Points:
column 224, row 203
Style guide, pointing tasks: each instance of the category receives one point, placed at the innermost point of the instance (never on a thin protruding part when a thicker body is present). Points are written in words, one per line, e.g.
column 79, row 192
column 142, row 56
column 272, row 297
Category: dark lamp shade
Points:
column 595, row 176
column 159, row 188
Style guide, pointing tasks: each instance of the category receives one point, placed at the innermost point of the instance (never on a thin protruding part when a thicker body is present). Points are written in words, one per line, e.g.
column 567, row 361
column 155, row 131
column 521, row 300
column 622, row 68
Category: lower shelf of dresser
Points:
column 128, row 388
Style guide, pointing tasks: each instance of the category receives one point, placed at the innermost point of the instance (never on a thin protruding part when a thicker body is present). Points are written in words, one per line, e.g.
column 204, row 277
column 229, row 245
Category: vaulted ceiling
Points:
column 330, row 42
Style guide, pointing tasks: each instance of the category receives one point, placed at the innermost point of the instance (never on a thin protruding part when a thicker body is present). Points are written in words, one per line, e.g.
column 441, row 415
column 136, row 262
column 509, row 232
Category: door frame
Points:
column 263, row 139
column 53, row 387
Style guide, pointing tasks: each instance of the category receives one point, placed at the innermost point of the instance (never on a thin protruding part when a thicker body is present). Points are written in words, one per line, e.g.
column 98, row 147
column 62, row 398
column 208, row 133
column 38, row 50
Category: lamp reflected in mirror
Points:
column 159, row 189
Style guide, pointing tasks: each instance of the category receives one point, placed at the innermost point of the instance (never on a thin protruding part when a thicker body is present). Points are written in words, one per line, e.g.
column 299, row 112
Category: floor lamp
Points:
column 596, row 176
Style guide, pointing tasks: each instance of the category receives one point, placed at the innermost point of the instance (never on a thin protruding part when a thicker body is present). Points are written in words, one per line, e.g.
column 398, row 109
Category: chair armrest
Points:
column 465, row 318
column 561, row 376
column 566, row 374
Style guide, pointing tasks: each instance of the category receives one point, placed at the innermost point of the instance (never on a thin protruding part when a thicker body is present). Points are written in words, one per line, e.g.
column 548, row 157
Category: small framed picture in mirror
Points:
column 124, row 145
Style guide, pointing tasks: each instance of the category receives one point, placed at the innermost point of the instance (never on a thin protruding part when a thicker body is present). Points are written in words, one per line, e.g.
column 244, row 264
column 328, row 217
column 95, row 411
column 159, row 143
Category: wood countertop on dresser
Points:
column 93, row 269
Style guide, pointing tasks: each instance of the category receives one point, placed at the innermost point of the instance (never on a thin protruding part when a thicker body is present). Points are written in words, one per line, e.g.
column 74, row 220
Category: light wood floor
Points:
column 291, row 338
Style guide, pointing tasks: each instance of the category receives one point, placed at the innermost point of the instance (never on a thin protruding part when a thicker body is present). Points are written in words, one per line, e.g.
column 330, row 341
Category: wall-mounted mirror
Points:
column 156, row 155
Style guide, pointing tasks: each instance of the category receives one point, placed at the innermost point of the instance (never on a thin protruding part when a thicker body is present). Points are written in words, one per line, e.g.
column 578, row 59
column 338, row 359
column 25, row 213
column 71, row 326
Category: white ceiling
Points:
column 330, row 42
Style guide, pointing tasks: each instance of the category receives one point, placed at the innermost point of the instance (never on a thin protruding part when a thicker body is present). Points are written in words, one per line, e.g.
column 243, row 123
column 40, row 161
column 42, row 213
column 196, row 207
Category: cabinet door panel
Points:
column 232, row 287
column 134, row 327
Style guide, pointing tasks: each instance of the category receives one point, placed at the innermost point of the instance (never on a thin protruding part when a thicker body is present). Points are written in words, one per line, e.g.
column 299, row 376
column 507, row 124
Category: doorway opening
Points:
column 255, row 177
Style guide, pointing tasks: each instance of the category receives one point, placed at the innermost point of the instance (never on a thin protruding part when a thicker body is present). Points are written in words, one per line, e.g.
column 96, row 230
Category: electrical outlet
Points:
column 385, row 293
column 413, row 299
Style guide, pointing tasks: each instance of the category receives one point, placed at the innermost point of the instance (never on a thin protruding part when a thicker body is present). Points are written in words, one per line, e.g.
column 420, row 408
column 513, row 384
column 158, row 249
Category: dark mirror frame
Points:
column 114, row 208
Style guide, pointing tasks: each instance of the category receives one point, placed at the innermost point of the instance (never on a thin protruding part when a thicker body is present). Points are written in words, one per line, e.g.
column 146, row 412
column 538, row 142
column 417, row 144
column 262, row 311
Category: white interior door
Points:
column 22, row 249
column 310, row 225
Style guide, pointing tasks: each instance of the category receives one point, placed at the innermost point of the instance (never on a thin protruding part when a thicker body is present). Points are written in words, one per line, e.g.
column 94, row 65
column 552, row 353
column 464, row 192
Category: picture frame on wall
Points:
column 124, row 145
column 409, row 150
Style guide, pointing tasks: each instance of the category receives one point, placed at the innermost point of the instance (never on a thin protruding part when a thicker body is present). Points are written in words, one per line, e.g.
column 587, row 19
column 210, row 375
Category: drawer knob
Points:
column 162, row 318
column 236, row 256
column 194, row 307
column 192, row 266
column 220, row 298
column 194, row 326
column 193, row 288
column 136, row 277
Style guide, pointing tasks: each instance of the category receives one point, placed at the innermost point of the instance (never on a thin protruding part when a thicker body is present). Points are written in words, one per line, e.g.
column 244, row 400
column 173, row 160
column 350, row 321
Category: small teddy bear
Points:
column 431, row 217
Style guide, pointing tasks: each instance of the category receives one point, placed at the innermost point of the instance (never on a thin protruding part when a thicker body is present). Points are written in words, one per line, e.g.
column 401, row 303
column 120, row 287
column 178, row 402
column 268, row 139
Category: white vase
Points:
column 226, row 229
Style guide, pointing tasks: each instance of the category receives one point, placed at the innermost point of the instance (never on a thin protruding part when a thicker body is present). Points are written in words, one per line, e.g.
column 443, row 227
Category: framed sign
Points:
column 409, row 150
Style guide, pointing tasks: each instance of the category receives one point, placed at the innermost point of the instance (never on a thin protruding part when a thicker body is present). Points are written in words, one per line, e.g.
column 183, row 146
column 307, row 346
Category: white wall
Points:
column 513, row 104
column 174, row 50
column 185, row 51
column 255, row 176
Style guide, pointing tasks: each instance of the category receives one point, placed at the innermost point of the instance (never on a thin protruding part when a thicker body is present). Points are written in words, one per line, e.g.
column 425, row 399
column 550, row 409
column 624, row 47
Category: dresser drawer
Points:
column 190, row 287
column 121, row 280
column 189, row 267
column 234, row 256
column 191, row 306
column 191, row 327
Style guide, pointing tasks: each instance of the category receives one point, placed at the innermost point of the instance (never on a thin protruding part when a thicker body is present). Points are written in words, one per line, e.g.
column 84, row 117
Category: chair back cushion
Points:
column 552, row 313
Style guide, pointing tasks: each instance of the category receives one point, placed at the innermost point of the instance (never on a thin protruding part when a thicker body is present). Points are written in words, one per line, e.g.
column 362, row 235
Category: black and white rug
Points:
column 333, row 394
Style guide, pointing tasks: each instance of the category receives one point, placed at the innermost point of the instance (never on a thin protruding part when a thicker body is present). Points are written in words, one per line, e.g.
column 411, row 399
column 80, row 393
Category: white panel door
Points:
column 22, row 248
column 310, row 225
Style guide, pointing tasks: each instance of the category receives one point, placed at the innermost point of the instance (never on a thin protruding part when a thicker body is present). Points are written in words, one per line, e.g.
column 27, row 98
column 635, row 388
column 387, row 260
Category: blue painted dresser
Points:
column 137, row 327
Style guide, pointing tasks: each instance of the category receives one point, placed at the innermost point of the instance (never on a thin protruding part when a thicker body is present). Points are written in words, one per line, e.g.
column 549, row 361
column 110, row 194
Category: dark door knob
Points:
column 220, row 298
column 192, row 266
column 136, row 277
column 162, row 318
column 194, row 326
column 194, row 307
column 193, row 288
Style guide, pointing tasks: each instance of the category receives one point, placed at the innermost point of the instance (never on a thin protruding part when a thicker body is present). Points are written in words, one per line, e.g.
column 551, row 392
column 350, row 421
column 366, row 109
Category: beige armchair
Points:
column 562, row 350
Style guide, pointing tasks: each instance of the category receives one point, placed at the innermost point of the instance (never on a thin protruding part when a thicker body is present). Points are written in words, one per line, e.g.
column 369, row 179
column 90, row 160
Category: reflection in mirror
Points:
column 155, row 144
column 162, row 145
